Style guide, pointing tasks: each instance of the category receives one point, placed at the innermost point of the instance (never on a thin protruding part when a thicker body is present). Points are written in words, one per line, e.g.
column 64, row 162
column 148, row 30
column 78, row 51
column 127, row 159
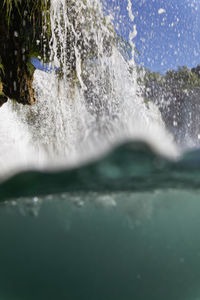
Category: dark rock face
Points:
column 17, row 39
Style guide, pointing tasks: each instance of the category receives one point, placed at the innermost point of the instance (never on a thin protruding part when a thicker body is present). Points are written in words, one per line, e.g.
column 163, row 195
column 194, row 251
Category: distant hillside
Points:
column 177, row 94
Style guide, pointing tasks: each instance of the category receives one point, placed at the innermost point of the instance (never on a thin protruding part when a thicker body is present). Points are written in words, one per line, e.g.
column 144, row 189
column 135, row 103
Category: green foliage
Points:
column 30, row 68
column 183, row 78
column 146, row 78
column 10, row 4
column 2, row 73
column 173, row 86
column 1, row 91
column 1, row 68
column 33, row 8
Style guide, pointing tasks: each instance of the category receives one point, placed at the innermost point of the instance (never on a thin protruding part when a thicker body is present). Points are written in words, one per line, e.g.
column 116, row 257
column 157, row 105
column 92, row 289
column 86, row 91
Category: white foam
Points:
column 161, row 11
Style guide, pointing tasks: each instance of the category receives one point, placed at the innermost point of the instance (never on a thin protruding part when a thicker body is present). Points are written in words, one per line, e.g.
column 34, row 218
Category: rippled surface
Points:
column 130, row 167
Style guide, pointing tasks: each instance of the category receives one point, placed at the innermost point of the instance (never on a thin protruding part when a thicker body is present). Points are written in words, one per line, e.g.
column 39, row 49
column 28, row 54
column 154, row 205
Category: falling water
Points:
column 87, row 103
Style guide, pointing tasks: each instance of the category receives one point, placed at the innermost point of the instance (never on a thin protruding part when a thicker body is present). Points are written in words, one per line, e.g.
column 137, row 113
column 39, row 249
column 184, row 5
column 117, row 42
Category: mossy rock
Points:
column 3, row 97
column 17, row 44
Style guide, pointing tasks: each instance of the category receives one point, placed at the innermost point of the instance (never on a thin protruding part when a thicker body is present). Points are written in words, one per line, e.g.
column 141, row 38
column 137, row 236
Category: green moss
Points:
column 30, row 68
column 1, row 68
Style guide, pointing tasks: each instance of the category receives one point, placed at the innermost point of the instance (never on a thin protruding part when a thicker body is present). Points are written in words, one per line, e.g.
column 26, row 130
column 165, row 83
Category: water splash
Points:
column 89, row 104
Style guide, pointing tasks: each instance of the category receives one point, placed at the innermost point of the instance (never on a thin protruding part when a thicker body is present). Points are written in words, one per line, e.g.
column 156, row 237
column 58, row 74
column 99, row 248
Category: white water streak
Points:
column 130, row 11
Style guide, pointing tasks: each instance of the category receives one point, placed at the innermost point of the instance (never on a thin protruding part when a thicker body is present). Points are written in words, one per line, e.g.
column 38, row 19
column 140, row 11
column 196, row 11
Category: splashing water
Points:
column 90, row 102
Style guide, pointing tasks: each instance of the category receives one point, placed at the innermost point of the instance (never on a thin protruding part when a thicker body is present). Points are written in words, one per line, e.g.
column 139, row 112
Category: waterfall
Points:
column 88, row 102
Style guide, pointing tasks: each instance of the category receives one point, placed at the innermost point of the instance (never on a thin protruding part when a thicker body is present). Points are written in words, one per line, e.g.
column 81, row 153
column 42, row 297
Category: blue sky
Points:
column 166, row 38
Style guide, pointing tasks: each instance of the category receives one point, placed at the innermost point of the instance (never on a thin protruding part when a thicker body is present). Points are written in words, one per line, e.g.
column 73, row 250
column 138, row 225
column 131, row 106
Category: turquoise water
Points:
column 124, row 227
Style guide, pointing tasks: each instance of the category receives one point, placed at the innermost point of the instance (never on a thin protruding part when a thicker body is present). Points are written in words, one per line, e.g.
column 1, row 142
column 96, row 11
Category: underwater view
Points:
column 99, row 150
